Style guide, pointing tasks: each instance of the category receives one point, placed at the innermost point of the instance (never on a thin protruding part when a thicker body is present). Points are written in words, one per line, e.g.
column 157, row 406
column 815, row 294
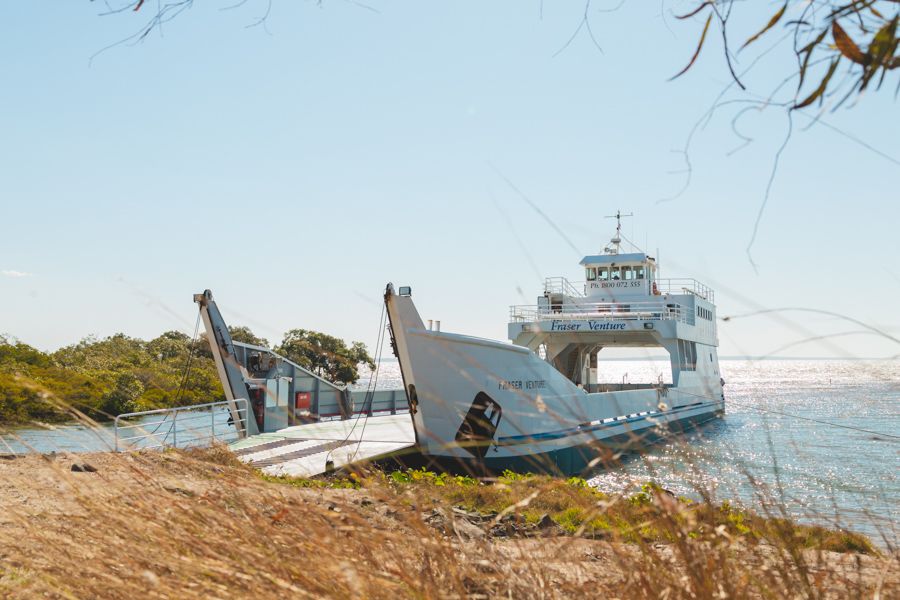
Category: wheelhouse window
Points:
column 639, row 272
column 614, row 273
column 603, row 274
column 628, row 273
column 591, row 273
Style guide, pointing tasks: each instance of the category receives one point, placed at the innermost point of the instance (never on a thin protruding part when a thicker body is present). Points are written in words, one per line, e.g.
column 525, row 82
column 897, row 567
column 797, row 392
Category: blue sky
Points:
column 295, row 169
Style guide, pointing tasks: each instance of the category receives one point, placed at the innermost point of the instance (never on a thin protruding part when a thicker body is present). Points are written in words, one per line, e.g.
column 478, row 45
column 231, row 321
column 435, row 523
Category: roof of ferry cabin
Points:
column 609, row 259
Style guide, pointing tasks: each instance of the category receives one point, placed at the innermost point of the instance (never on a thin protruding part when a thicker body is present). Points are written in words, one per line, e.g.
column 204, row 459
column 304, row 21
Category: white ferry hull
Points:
column 491, row 406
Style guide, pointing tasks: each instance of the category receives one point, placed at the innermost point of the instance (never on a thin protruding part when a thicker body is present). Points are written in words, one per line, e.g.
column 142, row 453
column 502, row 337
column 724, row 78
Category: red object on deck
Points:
column 258, row 405
column 301, row 401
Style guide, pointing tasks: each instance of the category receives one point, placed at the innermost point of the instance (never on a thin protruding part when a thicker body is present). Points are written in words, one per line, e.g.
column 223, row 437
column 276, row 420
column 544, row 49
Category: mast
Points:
column 616, row 241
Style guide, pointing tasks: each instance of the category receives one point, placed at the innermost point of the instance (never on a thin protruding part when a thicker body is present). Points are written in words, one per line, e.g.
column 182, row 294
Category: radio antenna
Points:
column 617, row 240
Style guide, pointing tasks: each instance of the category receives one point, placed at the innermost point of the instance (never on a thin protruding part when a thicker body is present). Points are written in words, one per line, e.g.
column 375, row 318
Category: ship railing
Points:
column 561, row 285
column 199, row 425
column 613, row 311
column 686, row 286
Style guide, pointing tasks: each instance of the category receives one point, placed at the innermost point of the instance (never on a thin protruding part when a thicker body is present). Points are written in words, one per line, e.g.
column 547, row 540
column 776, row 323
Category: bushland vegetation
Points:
column 325, row 355
column 118, row 374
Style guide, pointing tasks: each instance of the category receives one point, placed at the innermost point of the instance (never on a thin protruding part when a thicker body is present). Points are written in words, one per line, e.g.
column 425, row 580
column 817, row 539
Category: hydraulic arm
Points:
column 230, row 370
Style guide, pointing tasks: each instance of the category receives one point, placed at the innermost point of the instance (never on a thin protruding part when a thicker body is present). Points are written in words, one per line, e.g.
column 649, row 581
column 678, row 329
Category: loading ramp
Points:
column 306, row 450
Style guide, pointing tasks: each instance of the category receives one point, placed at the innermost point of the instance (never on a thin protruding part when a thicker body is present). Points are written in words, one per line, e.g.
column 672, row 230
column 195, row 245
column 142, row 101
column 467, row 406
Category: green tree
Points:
column 15, row 352
column 119, row 374
column 122, row 398
column 242, row 333
column 115, row 353
column 239, row 333
column 34, row 388
column 160, row 373
column 325, row 355
column 171, row 344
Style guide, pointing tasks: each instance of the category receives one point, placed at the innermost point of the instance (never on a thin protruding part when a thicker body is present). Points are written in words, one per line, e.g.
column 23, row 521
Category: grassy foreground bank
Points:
column 199, row 524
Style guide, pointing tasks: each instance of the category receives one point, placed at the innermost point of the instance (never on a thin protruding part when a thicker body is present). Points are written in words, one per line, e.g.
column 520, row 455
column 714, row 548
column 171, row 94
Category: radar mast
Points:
column 616, row 241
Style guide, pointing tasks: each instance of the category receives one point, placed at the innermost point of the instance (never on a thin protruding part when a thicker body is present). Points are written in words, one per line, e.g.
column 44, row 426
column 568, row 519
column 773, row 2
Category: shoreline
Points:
column 197, row 523
column 866, row 526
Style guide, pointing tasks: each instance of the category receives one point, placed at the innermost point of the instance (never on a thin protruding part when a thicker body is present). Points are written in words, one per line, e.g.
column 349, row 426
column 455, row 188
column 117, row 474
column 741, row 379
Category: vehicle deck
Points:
column 304, row 450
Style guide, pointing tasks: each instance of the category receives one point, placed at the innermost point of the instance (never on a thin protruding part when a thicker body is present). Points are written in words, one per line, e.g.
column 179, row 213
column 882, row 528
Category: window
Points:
column 628, row 273
column 614, row 273
column 688, row 355
column 639, row 272
column 603, row 274
column 591, row 273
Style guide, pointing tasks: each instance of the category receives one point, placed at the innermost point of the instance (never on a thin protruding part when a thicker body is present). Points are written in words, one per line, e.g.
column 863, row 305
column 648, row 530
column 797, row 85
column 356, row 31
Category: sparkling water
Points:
column 763, row 451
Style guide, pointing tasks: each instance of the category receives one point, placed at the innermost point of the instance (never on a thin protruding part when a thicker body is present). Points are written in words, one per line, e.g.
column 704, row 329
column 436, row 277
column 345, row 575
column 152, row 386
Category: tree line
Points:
column 117, row 374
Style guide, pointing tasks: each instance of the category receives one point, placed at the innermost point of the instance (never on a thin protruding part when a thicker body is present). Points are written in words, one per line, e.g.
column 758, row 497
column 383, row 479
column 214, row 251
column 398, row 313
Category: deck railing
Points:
column 612, row 311
column 561, row 285
column 182, row 426
column 685, row 286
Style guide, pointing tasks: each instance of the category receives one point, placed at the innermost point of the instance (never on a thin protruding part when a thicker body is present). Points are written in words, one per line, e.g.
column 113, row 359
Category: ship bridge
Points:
column 622, row 302
column 611, row 277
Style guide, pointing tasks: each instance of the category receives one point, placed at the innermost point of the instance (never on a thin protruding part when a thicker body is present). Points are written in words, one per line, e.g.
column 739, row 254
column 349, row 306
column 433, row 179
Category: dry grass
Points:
column 199, row 524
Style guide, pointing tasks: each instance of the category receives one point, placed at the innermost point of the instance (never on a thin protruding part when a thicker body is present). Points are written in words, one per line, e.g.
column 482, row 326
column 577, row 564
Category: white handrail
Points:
column 190, row 435
column 685, row 286
column 561, row 285
column 613, row 311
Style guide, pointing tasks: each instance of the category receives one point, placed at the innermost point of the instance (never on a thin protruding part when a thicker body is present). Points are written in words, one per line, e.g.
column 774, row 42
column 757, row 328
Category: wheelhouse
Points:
column 611, row 276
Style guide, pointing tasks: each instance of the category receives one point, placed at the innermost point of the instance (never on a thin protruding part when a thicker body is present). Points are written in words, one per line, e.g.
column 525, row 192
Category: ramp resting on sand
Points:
column 304, row 450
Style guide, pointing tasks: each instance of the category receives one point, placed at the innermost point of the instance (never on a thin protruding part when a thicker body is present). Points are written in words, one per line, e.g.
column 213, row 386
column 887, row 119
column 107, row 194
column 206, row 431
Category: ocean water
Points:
column 765, row 452
column 772, row 443
column 764, row 449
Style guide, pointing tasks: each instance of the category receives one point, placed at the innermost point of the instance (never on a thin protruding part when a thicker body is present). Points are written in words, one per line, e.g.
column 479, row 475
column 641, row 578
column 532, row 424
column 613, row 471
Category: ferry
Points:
column 537, row 404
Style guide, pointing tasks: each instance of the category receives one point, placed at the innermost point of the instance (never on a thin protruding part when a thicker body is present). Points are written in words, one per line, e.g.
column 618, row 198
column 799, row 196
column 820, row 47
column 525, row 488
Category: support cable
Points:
column 373, row 376
column 182, row 386
column 187, row 369
column 370, row 396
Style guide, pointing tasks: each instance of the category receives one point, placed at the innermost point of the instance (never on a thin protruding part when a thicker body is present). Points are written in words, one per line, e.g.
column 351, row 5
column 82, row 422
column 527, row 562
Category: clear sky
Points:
column 296, row 168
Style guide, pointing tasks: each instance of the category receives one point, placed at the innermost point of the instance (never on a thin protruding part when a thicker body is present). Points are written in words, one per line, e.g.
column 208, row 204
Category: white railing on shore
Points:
column 612, row 311
column 184, row 426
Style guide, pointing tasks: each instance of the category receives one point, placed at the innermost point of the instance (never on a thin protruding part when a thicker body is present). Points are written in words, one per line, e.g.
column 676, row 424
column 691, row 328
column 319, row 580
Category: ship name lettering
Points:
column 510, row 385
column 563, row 326
column 598, row 326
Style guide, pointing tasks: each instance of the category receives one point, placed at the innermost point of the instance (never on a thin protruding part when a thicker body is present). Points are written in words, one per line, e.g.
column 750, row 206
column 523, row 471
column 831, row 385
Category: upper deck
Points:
column 563, row 301
column 621, row 293
column 674, row 286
